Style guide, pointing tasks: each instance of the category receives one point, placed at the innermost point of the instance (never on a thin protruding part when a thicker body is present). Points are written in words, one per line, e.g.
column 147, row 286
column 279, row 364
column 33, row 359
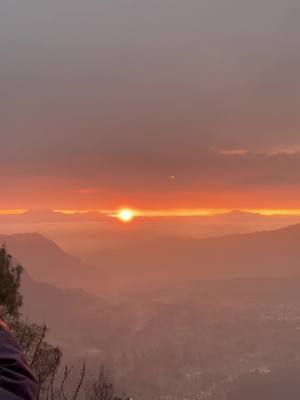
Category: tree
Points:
column 43, row 358
column 102, row 388
column 10, row 279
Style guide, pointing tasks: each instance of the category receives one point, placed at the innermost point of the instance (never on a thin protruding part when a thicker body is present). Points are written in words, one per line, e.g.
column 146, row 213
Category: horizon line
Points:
column 161, row 213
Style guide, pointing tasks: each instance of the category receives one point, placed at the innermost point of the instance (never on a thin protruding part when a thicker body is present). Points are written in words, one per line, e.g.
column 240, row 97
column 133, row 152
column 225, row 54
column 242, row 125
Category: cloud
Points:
column 94, row 105
column 263, row 152
column 285, row 152
column 234, row 152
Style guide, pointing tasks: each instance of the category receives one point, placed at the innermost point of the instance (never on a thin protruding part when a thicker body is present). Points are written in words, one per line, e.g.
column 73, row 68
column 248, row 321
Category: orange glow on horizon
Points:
column 125, row 215
column 18, row 211
column 271, row 212
column 71, row 212
column 128, row 214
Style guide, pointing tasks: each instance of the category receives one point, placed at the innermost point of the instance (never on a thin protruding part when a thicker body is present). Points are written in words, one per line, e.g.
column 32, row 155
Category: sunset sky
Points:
column 150, row 104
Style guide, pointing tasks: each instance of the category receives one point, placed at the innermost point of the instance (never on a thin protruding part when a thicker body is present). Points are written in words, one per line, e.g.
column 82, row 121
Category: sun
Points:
column 125, row 215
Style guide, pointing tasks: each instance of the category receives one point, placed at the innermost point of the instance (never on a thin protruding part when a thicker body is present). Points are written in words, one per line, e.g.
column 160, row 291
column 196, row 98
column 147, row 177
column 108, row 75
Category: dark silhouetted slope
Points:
column 164, row 262
column 47, row 262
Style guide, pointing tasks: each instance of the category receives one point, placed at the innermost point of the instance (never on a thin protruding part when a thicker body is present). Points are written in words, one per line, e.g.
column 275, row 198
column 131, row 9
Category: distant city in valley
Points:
column 150, row 200
column 176, row 318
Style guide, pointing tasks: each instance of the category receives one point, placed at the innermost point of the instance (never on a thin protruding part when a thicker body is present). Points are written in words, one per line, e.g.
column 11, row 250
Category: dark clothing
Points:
column 16, row 380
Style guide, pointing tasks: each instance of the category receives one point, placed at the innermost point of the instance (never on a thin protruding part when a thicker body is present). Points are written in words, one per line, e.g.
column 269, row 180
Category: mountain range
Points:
column 193, row 307
column 162, row 262
column 46, row 262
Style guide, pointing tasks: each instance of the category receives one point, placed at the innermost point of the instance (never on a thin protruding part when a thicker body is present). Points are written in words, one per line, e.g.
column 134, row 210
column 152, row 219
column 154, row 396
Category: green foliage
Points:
column 102, row 388
column 10, row 279
column 43, row 358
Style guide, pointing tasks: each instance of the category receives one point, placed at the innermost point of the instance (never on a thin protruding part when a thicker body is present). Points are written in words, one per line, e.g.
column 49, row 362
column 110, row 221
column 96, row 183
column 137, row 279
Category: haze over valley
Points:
column 207, row 311
column 150, row 186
